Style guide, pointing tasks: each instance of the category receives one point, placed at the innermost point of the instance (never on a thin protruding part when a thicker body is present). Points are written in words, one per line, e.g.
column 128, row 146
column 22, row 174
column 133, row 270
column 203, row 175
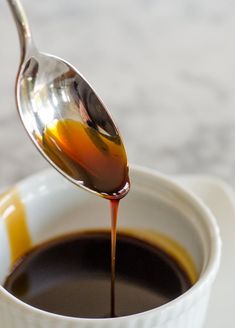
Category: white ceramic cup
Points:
column 53, row 206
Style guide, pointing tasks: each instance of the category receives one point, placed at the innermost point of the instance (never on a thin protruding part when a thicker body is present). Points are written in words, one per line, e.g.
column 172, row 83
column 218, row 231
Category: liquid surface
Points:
column 71, row 276
column 91, row 157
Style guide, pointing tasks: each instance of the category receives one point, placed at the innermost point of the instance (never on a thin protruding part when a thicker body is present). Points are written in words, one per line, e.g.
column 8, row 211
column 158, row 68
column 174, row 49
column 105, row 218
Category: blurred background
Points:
column 164, row 68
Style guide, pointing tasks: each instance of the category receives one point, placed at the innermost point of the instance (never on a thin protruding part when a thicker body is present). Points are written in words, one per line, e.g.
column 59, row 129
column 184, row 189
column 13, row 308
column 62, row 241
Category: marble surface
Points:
column 165, row 69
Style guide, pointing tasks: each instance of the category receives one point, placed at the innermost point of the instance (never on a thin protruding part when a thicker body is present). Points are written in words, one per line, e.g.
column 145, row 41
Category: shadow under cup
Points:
column 156, row 210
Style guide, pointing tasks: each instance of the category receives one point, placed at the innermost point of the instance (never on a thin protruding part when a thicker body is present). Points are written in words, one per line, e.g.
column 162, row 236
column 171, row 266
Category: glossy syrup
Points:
column 96, row 159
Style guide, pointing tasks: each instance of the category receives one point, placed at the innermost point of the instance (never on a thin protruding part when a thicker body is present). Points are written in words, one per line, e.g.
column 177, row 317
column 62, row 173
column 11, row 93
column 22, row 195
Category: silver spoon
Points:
column 49, row 90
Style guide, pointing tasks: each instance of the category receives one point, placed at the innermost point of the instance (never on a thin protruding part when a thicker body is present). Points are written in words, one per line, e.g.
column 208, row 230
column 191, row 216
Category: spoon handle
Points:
column 22, row 26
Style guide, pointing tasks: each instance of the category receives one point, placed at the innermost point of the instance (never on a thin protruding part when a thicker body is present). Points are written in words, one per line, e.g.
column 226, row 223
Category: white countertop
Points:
column 165, row 69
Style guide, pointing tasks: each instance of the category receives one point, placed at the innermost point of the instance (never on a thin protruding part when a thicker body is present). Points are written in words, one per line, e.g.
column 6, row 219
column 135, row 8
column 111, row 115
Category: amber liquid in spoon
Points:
column 98, row 160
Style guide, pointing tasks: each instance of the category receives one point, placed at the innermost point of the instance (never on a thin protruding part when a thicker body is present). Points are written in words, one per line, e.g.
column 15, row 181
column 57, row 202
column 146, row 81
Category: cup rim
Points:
column 206, row 277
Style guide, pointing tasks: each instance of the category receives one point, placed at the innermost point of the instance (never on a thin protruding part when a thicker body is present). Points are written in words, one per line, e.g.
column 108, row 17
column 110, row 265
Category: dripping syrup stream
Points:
column 114, row 212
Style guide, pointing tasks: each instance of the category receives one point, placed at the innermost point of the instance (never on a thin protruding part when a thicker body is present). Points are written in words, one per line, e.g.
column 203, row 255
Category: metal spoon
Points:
column 50, row 90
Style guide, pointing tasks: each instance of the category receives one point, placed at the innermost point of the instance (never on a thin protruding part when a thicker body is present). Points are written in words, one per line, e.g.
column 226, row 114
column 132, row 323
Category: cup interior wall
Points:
column 55, row 207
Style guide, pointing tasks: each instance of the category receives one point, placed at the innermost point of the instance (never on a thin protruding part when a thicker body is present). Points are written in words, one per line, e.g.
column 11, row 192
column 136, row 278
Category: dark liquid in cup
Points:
column 71, row 276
